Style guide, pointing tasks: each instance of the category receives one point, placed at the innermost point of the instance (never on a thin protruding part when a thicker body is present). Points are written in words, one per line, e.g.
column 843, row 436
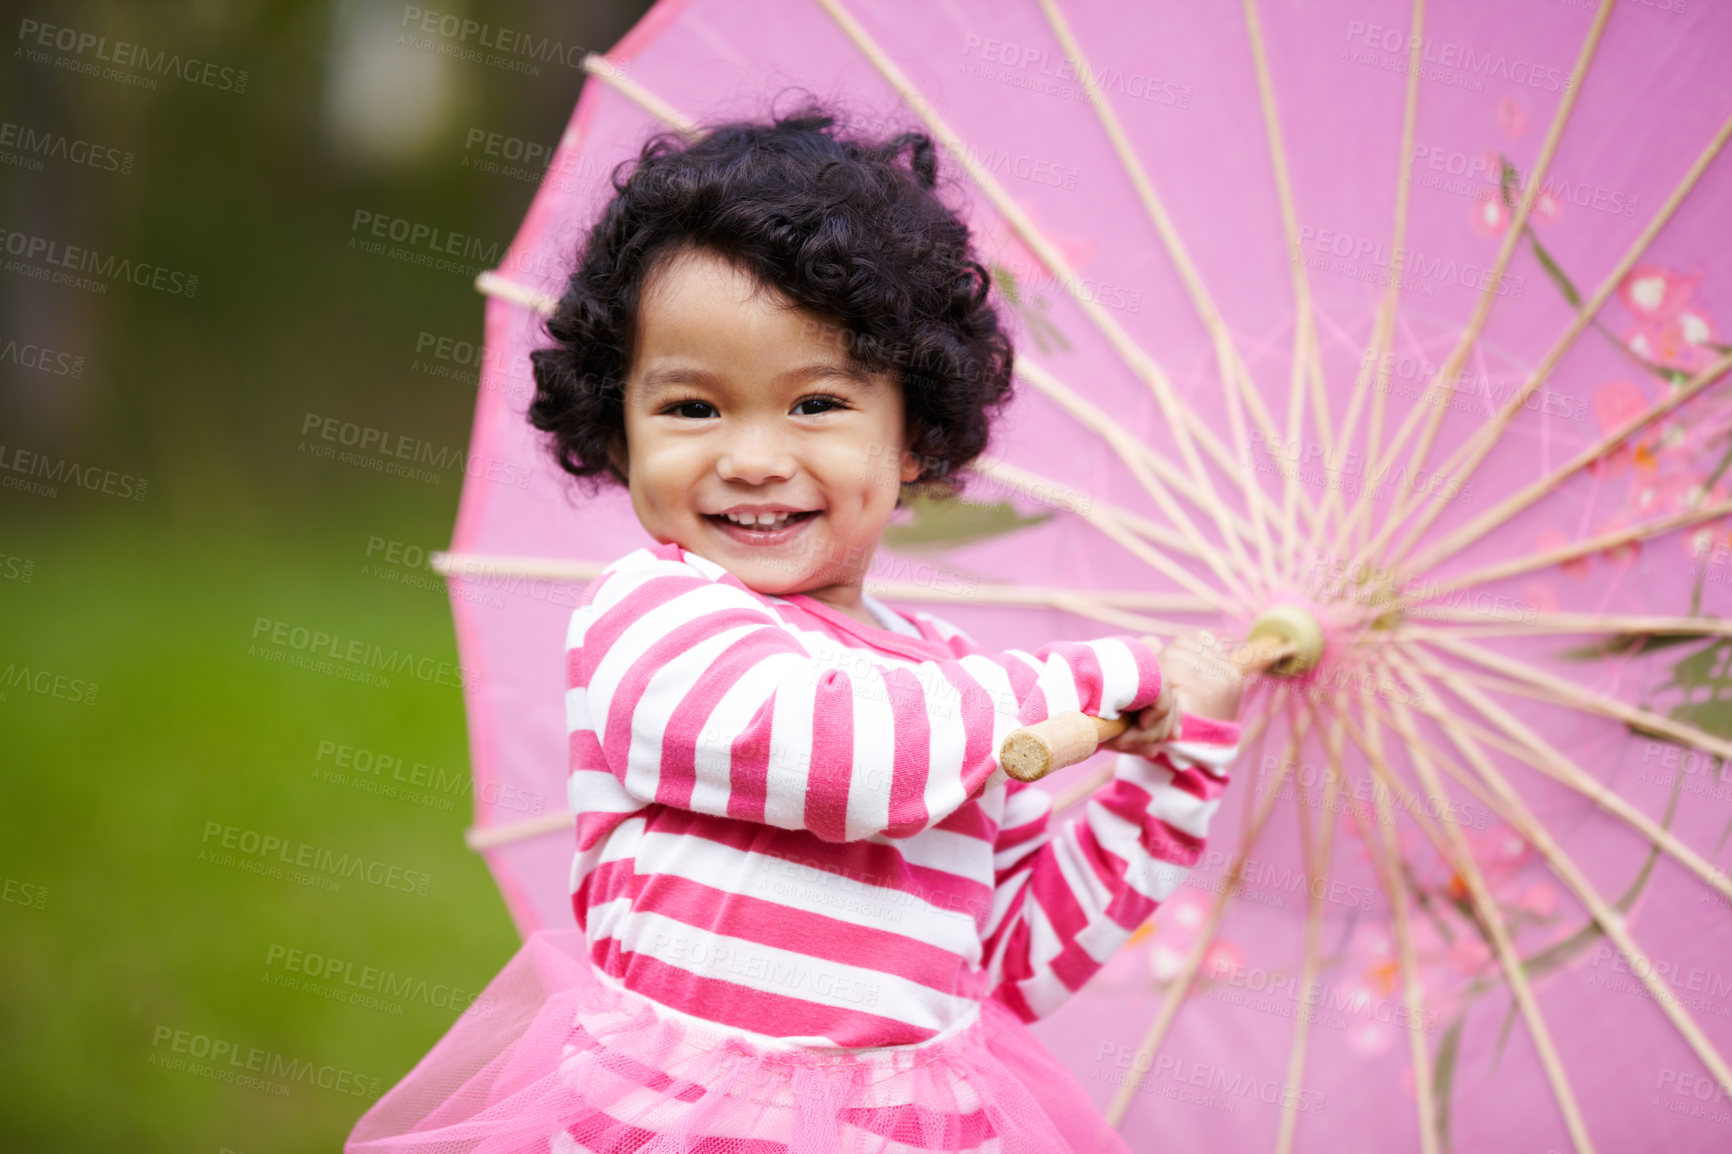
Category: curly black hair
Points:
column 838, row 225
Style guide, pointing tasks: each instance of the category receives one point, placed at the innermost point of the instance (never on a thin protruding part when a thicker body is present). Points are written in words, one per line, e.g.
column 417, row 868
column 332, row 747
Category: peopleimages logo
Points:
column 61, row 471
column 46, row 683
column 1058, row 72
column 370, row 987
column 34, row 145
column 41, row 358
column 225, row 1060
column 36, row 40
column 1453, row 171
column 265, row 853
column 399, row 454
column 353, row 651
column 509, row 49
column 1366, row 258
column 45, row 258
column 392, row 774
column 1229, row 1083
column 1461, row 61
column 419, row 235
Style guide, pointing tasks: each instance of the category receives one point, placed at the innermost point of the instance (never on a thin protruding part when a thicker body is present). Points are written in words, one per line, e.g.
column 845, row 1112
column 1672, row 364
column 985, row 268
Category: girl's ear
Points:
column 911, row 466
column 912, row 463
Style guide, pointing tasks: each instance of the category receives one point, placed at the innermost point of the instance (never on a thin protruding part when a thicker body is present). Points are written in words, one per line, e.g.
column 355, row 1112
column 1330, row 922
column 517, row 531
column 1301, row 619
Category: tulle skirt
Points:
column 556, row 1059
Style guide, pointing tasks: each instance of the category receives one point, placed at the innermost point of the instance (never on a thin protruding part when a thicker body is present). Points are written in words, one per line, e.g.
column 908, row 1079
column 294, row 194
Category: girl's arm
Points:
column 1066, row 898
column 685, row 688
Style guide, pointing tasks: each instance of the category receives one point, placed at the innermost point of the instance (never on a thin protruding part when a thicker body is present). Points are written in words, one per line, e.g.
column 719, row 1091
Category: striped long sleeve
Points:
column 687, row 688
column 1066, row 899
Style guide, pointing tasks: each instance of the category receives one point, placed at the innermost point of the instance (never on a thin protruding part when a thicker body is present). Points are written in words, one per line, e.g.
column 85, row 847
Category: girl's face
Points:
column 741, row 407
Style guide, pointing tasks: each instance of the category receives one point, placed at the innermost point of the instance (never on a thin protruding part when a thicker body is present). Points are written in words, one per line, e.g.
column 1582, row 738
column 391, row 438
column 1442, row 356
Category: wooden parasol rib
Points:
column 1477, row 528
column 1546, row 758
column 1535, row 621
column 602, row 67
column 1461, row 859
column 1370, row 743
column 1546, row 558
column 1232, row 366
column 1480, row 445
column 1050, row 492
column 1452, row 363
column 1645, row 720
column 1515, row 812
column 1383, row 335
column 1317, row 860
column 1307, row 359
column 1181, row 986
column 493, row 284
column 1387, row 863
column 1142, row 464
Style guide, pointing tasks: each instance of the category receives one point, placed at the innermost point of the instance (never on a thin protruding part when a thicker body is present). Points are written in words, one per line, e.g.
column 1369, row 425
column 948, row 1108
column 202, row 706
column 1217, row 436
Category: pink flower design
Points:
column 1703, row 542
column 1655, row 295
column 999, row 244
column 1540, row 900
column 1427, row 941
column 1668, row 463
column 1490, row 214
column 1542, row 595
column 1186, row 911
column 1222, row 960
column 1546, row 207
column 1179, row 922
column 1469, row 954
column 1624, row 555
column 1681, row 344
column 1158, row 948
column 1500, row 851
column 1616, row 403
column 1670, row 330
column 1370, row 1037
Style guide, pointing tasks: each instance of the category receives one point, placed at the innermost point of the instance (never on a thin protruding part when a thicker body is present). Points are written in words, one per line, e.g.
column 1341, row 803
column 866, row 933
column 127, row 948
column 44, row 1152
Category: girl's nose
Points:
column 755, row 455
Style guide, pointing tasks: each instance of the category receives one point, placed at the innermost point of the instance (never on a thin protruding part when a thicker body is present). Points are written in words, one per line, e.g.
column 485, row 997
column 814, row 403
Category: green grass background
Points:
column 106, row 805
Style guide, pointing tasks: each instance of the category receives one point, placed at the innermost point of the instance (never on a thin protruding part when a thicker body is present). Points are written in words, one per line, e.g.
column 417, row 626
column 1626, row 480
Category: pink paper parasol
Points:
column 1403, row 316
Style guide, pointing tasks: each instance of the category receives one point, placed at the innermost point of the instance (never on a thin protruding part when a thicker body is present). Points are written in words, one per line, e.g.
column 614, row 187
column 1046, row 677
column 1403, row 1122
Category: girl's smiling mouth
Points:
column 761, row 527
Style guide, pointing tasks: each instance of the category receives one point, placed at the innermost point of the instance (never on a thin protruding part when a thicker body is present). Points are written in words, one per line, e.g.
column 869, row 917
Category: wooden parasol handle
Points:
column 1285, row 640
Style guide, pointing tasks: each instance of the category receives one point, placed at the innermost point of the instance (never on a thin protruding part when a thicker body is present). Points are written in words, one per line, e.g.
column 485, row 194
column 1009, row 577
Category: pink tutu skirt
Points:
column 555, row 1059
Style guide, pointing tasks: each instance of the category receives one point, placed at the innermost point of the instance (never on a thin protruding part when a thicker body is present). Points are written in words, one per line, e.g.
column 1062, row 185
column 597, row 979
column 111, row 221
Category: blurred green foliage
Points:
column 106, row 804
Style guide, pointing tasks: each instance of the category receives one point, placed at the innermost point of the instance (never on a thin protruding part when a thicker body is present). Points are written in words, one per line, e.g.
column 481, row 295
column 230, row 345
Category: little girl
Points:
column 813, row 913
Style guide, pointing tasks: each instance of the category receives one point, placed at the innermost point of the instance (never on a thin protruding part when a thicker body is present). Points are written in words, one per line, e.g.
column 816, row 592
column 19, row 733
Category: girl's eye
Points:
column 686, row 408
column 824, row 400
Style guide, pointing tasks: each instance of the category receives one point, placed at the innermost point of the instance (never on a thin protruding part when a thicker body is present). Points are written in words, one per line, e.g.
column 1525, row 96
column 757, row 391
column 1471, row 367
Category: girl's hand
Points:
column 1195, row 679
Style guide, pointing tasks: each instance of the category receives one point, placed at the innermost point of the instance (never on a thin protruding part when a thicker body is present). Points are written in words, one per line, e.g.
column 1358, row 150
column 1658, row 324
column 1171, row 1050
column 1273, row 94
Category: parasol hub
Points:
column 1294, row 627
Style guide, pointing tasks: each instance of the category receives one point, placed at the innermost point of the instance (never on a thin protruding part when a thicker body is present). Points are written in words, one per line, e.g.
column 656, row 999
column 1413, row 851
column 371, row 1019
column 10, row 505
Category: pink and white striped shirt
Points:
column 795, row 824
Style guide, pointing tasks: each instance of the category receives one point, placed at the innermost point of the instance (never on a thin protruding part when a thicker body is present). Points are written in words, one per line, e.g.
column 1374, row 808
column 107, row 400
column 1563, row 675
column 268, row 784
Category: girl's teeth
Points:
column 760, row 520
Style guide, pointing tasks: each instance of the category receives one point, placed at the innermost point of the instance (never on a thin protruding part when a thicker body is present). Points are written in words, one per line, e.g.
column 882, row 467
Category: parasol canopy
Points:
column 1404, row 315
